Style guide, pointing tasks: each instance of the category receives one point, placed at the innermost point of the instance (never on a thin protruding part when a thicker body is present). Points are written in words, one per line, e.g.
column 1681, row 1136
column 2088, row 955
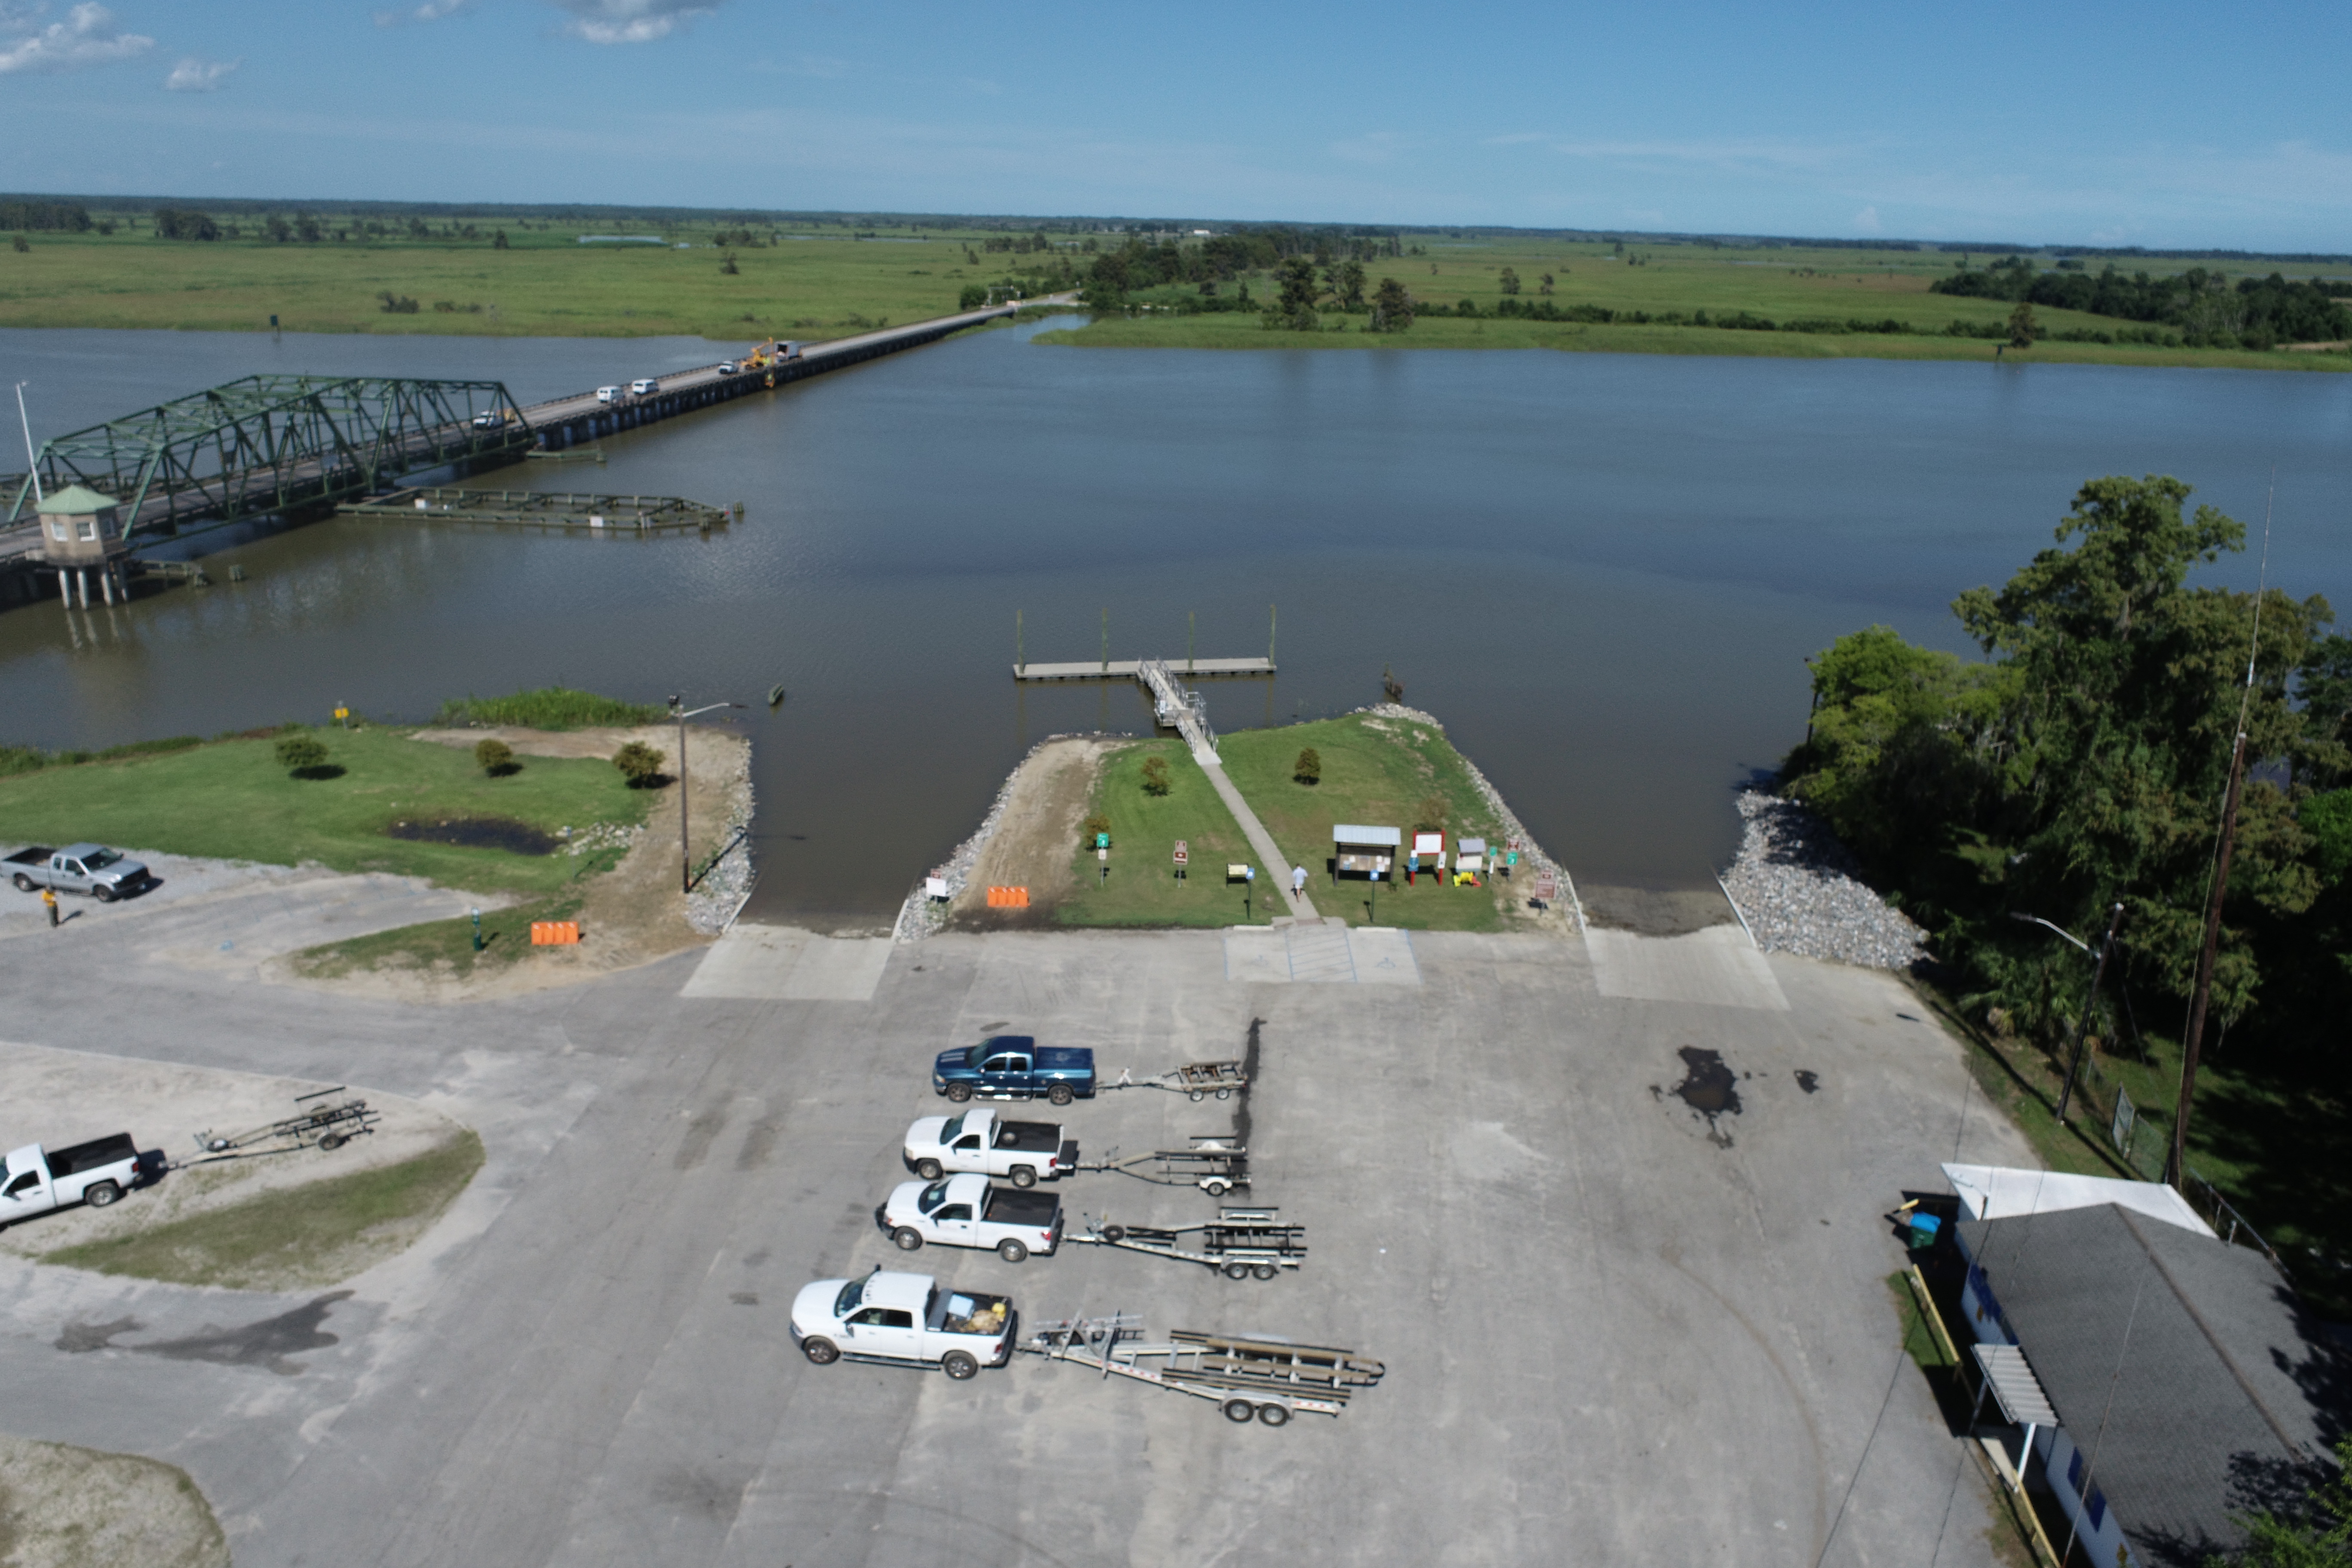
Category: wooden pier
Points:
column 1132, row 668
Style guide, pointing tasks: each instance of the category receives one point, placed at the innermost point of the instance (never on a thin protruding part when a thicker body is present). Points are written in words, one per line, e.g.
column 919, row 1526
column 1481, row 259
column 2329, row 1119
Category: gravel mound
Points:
column 1799, row 891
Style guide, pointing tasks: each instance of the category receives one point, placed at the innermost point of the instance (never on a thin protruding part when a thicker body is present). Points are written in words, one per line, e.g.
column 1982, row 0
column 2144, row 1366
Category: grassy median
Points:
column 1142, row 888
column 234, row 800
column 293, row 1237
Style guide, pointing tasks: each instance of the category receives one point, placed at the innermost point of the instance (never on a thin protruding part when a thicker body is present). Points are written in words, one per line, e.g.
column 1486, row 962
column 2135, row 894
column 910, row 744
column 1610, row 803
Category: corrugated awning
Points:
column 1352, row 833
column 2022, row 1403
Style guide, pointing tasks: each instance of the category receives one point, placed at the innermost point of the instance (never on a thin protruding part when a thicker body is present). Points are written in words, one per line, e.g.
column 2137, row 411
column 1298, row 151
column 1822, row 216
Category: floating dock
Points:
column 1133, row 668
column 541, row 509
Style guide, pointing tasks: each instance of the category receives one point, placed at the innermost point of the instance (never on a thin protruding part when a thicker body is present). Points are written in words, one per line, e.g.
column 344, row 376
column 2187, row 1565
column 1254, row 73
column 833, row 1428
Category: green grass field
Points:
column 313, row 1235
column 1142, row 889
column 232, row 800
column 1376, row 771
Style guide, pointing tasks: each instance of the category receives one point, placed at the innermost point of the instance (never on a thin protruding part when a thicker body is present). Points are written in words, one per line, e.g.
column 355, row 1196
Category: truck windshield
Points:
column 933, row 1196
column 978, row 1054
column 851, row 1291
column 948, row 1133
column 101, row 861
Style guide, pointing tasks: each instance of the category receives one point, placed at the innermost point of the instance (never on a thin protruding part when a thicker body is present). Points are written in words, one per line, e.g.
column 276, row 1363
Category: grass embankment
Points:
column 1379, row 773
column 302, row 1237
column 547, row 708
column 231, row 799
column 1781, row 285
column 546, row 284
column 1142, row 889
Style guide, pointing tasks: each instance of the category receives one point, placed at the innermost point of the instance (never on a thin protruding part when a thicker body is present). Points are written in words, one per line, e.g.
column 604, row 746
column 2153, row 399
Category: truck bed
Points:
column 1011, row 1205
column 1028, row 1137
column 38, row 855
column 988, row 1313
column 89, row 1156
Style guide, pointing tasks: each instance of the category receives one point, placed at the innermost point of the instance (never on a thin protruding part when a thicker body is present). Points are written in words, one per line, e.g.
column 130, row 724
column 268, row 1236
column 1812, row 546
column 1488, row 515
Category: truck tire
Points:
column 1022, row 1177
column 824, row 1352
column 958, row 1092
column 1275, row 1415
column 908, row 1238
column 959, row 1365
column 1012, row 1251
column 1059, row 1094
column 23, row 884
column 1238, row 1411
column 98, row 1196
column 927, row 1169
column 1114, row 1233
column 104, row 894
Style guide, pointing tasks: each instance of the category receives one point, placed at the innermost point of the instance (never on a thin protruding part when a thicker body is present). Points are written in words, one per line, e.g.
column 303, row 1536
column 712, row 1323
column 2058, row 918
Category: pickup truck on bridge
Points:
column 968, row 1211
column 95, row 1172
column 977, row 1142
column 1014, row 1066
column 104, row 874
column 903, row 1317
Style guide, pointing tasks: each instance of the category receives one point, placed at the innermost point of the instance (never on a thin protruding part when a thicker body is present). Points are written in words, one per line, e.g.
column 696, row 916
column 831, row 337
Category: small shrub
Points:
column 1097, row 823
column 639, row 764
column 1308, row 769
column 1155, row 775
column 1391, row 685
column 20, row 245
column 495, row 758
column 1429, row 816
column 301, row 753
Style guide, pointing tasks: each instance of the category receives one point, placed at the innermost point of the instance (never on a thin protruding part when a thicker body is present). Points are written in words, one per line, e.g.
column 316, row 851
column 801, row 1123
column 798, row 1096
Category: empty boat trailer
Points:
column 1269, row 1379
column 1239, row 1243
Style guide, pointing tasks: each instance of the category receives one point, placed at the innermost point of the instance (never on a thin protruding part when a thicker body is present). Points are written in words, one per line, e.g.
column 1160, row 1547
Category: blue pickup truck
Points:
column 1014, row 1066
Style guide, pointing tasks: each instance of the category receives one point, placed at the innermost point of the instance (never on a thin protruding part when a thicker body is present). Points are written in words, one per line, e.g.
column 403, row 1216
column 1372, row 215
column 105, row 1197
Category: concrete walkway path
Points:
column 1260, row 839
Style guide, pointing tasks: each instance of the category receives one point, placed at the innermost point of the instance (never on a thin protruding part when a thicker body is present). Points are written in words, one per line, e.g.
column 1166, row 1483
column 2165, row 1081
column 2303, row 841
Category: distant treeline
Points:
column 70, row 217
column 1223, row 257
column 2259, row 313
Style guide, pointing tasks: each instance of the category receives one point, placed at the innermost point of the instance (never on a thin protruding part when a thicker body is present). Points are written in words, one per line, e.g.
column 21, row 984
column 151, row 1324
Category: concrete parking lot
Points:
column 1614, row 1328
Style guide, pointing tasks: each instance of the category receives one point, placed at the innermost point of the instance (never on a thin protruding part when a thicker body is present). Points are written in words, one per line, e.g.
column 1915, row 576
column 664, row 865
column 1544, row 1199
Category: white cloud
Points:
column 1866, row 220
column 430, row 11
column 192, row 74
column 631, row 21
column 88, row 36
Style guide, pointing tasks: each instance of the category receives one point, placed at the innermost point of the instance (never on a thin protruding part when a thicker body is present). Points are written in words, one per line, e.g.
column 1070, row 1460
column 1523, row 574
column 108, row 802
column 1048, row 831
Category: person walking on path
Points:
column 1297, row 882
column 50, row 896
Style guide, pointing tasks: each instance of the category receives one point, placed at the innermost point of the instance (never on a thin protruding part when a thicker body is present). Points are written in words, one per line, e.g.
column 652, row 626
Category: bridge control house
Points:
column 81, row 533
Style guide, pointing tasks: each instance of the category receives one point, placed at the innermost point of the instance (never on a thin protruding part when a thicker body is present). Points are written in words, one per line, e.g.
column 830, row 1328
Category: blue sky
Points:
column 2159, row 124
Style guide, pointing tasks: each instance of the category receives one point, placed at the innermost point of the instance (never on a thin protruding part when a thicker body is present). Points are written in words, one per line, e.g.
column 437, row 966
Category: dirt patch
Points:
column 59, row 1098
column 1656, row 912
column 1036, row 838
column 479, row 833
column 63, row 1507
column 632, row 914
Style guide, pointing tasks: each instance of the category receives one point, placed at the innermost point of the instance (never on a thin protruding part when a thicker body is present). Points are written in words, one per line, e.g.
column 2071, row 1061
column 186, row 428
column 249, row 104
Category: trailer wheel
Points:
column 1012, row 1251
column 927, row 1169
column 1224, row 1094
column 1216, row 1186
column 331, row 1141
column 24, row 883
column 908, row 1238
column 1199, row 1095
column 98, row 1196
column 1273, row 1415
column 1236, row 1270
column 1059, row 1094
column 1022, row 1177
column 1238, row 1411
column 958, row 1092
column 959, row 1365
column 1114, row 1233
column 824, row 1352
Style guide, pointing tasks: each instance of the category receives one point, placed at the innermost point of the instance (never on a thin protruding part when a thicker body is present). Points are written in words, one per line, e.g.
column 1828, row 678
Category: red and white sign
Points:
column 1183, row 852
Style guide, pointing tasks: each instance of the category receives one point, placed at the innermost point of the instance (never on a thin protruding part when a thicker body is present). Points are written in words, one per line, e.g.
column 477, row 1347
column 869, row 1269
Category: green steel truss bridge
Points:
column 269, row 445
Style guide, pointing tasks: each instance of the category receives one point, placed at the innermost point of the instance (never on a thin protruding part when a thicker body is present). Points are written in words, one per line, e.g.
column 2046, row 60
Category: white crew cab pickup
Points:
column 904, row 1318
column 95, row 1172
column 977, row 1142
column 967, row 1211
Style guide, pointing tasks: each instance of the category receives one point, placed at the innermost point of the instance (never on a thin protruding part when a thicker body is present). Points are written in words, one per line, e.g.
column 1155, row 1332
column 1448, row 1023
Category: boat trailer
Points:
column 1214, row 1163
column 1271, row 1380
column 1240, row 1243
column 323, row 1126
column 1197, row 1079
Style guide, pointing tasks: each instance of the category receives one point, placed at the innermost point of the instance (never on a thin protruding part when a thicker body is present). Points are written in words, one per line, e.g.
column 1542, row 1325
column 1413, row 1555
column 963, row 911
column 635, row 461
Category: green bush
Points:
column 1429, row 816
column 299, row 755
column 1308, row 768
column 2327, row 820
column 549, row 708
column 1155, row 775
column 495, row 758
column 641, row 764
column 1099, row 823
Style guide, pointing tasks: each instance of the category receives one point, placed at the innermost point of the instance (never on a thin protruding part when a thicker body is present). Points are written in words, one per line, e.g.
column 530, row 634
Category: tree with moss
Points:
column 2021, row 327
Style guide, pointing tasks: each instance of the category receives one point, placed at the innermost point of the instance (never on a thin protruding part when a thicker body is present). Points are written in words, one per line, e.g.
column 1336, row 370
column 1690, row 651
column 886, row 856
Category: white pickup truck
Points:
column 966, row 1211
column 977, row 1142
column 903, row 1317
column 95, row 1172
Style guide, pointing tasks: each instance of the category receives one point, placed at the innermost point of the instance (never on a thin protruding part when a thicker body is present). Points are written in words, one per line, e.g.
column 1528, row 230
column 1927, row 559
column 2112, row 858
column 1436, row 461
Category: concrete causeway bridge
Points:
column 294, row 445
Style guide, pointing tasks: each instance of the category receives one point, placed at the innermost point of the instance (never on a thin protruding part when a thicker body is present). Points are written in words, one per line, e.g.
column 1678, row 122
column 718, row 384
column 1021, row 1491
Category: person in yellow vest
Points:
column 50, row 896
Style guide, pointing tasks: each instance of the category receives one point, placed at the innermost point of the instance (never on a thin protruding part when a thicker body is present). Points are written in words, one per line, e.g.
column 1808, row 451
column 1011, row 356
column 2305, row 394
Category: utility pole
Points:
column 32, row 463
column 2176, row 1170
column 2098, row 974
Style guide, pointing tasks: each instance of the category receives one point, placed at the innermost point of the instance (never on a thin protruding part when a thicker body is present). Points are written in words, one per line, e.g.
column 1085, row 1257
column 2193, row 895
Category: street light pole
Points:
column 685, row 855
column 2099, row 974
column 32, row 464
